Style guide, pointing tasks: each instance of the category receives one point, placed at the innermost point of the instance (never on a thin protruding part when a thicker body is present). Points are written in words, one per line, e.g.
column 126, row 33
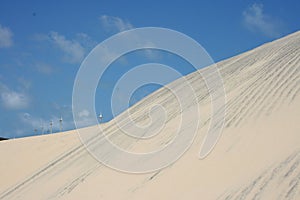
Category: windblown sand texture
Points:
column 257, row 156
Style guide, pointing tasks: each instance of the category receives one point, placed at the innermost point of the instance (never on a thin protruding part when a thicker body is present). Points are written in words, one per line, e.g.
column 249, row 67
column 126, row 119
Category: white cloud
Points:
column 11, row 99
column 152, row 54
column 84, row 113
column 116, row 24
column 25, row 84
column 74, row 51
column 5, row 37
column 84, row 119
column 44, row 68
column 40, row 124
column 256, row 20
column 33, row 122
column 111, row 23
column 43, row 125
column 14, row 100
column 86, row 41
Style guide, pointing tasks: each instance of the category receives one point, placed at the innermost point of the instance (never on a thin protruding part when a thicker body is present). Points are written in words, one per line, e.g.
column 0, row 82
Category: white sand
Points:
column 257, row 157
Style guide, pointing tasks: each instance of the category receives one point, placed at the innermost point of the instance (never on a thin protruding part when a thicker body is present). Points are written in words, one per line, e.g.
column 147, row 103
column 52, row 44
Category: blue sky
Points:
column 42, row 44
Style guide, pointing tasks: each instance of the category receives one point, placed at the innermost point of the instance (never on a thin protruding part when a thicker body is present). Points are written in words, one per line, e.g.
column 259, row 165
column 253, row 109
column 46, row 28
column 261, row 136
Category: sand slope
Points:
column 257, row 157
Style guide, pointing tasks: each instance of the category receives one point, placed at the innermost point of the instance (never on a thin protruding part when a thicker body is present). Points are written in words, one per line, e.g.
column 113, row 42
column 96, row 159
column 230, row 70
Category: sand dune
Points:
column 257, row 156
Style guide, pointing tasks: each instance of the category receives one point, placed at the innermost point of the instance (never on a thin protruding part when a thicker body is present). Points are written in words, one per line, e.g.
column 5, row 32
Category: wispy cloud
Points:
column 114, row 24
column 256, row 20
column 5, row 37
column 43, row 125
column 44, row 68
column 33, row 122
column 84, row 118
column 25, row 84
column 85, row 40
column 73, row 51
column 84, row 113
column 11, row 99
